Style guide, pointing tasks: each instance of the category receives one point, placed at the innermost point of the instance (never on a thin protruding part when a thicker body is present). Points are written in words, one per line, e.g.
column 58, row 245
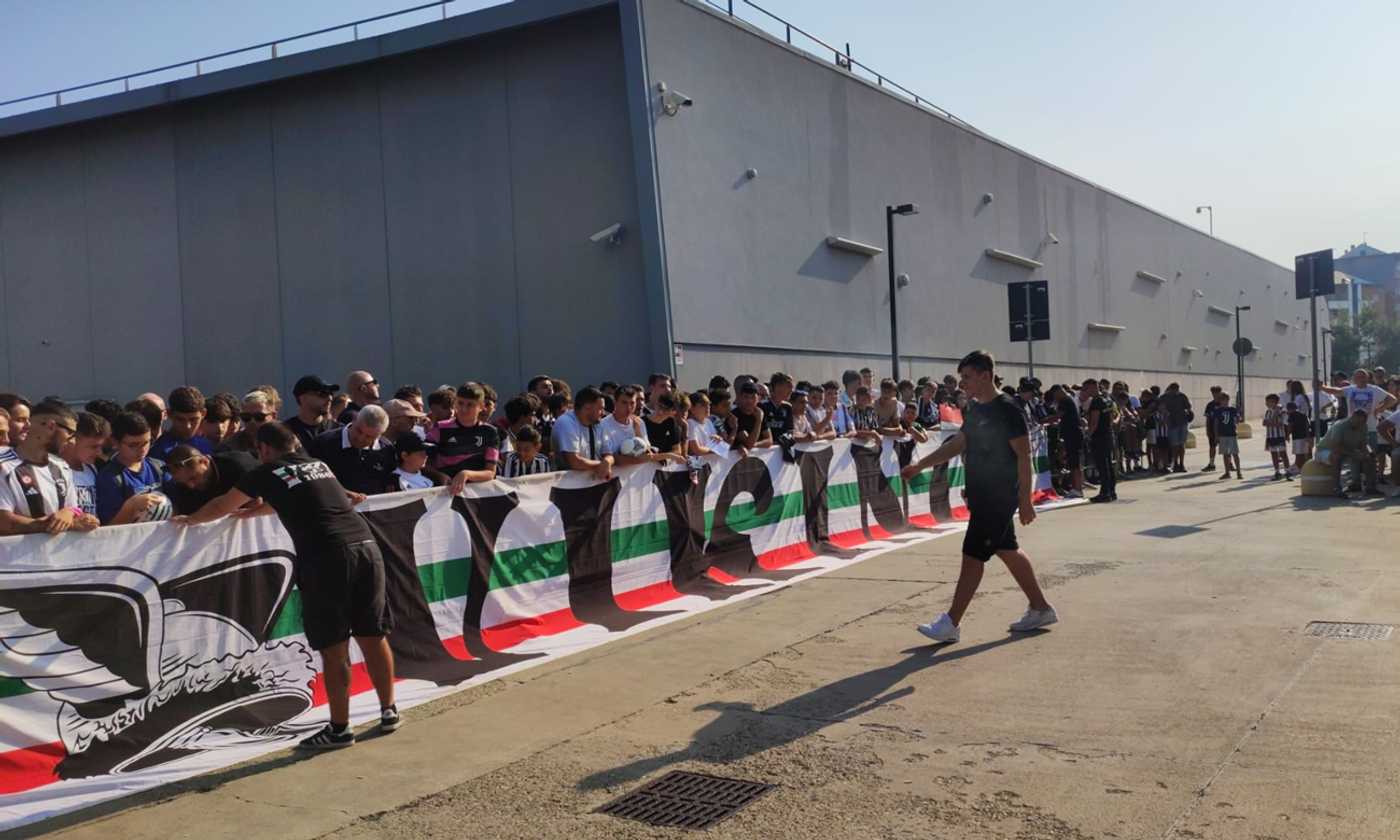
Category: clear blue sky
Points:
column 1280, row 113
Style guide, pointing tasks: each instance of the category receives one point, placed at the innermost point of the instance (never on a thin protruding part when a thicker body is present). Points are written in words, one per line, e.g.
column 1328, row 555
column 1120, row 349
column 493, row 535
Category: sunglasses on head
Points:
column 253, row 416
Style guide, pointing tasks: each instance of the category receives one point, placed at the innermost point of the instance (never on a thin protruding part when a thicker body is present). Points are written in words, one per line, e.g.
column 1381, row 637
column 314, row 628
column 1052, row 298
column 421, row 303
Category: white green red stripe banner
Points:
column 140, row 655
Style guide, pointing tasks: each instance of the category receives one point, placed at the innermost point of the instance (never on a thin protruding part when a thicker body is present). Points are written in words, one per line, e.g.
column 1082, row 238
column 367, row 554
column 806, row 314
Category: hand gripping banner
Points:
column 139, row 655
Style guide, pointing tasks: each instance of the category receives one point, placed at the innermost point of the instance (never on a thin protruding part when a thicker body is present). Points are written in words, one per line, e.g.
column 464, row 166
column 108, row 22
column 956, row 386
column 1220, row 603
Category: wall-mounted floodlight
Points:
column 841, row 243
column 1220, row 310
column 610, row 235
column 1110, row 328
column 1186, row 348
column 1014, row 259
column 1151, row 278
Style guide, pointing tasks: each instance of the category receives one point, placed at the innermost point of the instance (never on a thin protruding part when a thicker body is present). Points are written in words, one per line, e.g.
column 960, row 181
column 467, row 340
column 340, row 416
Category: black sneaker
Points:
column 1208, row 468
column 389, row 720
column 1101, row 498
column 1278, row 476
column 329, row 739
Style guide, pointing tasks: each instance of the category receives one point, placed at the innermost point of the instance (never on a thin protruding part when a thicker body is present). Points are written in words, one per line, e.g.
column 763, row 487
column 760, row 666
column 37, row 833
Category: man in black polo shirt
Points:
column 339, row 571
column 1000, row 480
column 360, row 460
column 1101, row 441
column 196, row 478
column 313, row 396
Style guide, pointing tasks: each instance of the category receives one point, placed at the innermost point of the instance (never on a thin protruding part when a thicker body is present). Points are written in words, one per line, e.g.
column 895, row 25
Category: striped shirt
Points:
column 514, row 466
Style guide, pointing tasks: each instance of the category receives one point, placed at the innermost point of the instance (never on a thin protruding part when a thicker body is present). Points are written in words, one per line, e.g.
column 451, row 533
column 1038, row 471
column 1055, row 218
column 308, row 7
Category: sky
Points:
column 1281, row 114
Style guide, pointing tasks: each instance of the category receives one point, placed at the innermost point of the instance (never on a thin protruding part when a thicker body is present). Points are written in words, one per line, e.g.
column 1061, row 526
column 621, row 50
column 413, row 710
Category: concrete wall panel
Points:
column 134, row 252
column 228, row 243
column 336, row 311
column 47, row 323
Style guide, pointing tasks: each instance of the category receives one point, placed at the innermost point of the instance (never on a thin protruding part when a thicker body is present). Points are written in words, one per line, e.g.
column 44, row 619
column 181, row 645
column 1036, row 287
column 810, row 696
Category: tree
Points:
column 1370, row 341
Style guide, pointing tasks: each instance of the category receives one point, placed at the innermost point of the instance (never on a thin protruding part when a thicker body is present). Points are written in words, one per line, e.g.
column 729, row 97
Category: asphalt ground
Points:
column 1179, row 697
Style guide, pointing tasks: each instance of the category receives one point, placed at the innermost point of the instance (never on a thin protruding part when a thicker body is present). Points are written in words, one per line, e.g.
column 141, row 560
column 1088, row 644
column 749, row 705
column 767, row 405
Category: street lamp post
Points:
column 1210, row 212
column 1325, row 333
column 1239, row 361
column 891, row 211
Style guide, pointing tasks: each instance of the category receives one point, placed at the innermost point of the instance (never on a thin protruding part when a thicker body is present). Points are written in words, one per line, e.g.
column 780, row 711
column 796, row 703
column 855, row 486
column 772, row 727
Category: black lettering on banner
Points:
column 875, row 494
column 814, row 466
column 587, row 514
column 731, row 551
column 683, row 499
column 418, row 650
column 938, row 495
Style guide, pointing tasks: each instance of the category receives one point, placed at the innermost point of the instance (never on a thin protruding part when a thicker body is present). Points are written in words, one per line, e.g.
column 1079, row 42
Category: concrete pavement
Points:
column 1178, row 698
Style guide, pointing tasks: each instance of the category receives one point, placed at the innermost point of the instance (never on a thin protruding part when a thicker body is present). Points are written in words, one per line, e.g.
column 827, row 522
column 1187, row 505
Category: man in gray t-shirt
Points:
column 1178, row 418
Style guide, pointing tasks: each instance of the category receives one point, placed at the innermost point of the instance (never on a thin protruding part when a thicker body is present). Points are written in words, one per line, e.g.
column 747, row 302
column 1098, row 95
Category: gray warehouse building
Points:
column 435, row 204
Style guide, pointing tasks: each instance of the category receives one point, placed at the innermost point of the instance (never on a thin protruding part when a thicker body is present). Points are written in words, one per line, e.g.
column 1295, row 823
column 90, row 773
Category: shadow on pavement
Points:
column 726, row 739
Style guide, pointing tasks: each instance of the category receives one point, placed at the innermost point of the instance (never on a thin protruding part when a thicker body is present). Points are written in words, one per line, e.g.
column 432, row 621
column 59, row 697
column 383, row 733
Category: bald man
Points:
column 363, row 390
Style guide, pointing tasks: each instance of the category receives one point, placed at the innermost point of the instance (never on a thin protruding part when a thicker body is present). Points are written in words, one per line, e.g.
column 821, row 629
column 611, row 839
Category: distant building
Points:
column 1366, row 277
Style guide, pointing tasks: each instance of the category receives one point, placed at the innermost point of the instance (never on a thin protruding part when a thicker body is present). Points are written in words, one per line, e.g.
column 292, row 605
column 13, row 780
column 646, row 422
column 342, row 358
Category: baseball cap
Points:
column 313, row 385
column 409, row 442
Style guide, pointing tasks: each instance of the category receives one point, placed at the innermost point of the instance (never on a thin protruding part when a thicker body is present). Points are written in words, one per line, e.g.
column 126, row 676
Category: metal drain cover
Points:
column 686, row 800
column 1350, row 630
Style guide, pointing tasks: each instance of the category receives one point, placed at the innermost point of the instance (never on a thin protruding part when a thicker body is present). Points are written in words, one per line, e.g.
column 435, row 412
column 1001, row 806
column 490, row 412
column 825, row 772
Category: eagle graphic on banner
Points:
column 148, row 672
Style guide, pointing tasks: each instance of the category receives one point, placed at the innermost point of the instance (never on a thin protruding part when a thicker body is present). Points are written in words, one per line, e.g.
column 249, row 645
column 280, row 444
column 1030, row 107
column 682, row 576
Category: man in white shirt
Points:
column 81, row 453
column 37, row 491
column 624, row 423
column 578, row 441
column 1361, row 395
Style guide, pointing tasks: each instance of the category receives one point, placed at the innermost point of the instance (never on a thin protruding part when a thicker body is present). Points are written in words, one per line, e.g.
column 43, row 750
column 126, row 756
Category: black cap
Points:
column 313, row 385
column 409, row 442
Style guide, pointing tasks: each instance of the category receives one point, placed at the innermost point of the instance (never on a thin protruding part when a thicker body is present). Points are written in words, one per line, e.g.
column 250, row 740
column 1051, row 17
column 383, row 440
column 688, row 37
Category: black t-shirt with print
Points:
column 312, row 505
column 992, row 472
column 749, row 422
column 665, row 435
column 1299, row 425
column 777, row 417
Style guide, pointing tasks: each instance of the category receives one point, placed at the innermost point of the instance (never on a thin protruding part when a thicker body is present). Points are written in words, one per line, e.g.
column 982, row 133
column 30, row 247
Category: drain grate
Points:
column 686, row 800
column 1350, row 630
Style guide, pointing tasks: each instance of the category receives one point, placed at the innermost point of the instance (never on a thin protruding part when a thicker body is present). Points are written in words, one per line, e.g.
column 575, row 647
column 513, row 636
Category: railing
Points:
column 54, row 98
column 842, row 58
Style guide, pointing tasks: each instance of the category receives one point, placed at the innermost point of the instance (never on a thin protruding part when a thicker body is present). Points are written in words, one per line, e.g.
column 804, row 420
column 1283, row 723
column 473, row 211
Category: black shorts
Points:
column 1074, row 452
column 342, row 595
column 990, row 529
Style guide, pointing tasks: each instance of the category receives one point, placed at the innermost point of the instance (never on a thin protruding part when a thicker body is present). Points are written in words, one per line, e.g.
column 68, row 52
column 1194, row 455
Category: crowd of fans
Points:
column 154, row 457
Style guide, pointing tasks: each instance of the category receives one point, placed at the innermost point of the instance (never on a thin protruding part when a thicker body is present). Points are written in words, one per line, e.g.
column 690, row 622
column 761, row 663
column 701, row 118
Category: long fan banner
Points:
column 140, row 655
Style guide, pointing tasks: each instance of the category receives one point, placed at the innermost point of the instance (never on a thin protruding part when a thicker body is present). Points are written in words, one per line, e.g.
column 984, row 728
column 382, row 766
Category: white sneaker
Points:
column 941, row 629
column 1035, row 619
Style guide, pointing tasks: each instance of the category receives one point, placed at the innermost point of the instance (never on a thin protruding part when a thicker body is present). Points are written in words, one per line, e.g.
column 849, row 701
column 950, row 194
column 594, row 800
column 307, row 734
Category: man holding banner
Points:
column 1000, row 479
column 339, row 571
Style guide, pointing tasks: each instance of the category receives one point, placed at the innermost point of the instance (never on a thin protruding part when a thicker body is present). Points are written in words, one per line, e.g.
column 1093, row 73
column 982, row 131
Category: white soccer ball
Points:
column 634, row 447
column 158, row 512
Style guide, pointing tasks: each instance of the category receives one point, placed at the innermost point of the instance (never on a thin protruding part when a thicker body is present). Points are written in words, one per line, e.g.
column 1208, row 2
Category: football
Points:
column 158, row 512
column 634, row 447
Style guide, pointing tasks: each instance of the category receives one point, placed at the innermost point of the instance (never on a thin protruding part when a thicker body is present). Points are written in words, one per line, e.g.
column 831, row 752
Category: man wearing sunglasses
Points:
column 196, row 478
column 256, row 410
column 362, row 389
column 313, row 396
column 37, row 493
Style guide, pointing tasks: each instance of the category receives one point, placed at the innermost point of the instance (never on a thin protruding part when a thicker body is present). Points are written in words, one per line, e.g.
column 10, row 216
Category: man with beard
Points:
column 339, row 571
column 37, row 492
column 196, row 478
column 313, row 396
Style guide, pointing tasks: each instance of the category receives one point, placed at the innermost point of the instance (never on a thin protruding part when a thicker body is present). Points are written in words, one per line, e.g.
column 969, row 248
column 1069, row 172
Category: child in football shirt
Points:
column 1276, row 435
column 865, row 423
column 467, row 448
column 1227, row 418
column 526, row 458
column 1300, row 428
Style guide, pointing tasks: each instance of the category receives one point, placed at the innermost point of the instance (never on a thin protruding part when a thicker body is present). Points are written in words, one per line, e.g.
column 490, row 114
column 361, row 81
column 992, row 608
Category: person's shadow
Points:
column 800, row 716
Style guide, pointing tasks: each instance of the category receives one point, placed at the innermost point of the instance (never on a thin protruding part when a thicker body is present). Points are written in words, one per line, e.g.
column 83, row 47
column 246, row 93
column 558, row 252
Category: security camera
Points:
column 672, row 101
column 1052, row 239
column 610, row 235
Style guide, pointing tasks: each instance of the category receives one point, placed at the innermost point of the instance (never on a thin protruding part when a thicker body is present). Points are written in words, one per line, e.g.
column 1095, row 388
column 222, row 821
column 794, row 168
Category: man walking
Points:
column 339, row 571
column 1000, row 479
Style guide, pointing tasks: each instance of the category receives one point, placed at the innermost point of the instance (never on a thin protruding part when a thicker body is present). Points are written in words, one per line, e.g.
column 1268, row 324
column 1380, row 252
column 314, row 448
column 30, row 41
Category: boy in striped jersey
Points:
column 526, row 458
